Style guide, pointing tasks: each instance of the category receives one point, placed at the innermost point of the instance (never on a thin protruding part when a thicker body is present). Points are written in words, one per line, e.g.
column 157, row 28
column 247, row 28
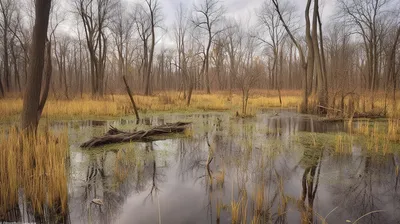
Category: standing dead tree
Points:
column 234, row 36
column 207, row 17
column 268, row 18
column 307, row 65
column 122, row 28
column 61, row 49
column 313, row 63
column 249, row 71
column 319, row 61
column 147, row 19
column 7, row 12
column 368, row 20
column 95, row 15
column 391, row 64
column 188, row 53
column 153, row 14
column 128, row 90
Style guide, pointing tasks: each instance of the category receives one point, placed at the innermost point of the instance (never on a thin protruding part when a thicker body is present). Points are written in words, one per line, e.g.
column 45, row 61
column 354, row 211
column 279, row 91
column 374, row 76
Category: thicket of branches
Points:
column 96, row 42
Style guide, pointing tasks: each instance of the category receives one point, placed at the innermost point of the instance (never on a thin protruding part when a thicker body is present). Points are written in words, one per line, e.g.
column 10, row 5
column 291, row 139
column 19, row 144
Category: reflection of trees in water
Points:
column 371, row 185
column 248, row 155
column 100, row 183
column 248, row 160
column 157, row 176
column 311, row 161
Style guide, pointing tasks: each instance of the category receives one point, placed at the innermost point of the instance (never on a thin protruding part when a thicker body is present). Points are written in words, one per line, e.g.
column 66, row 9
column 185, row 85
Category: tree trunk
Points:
column 190, row 90
column 207, row 63
column 6, row 66
column 1, row 89
column 321, row 88
column 47, row 72
column 30, row 118
column 151, row 56
column 16, row 70
column 310, row 58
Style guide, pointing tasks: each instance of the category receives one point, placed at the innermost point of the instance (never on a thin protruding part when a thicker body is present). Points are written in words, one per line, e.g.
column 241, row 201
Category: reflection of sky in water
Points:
column 170, row 183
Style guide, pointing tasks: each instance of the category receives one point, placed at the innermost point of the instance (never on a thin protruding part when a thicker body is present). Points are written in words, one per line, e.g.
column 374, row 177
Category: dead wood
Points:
column 115, row 135
column 356, row 115
column 128, row 90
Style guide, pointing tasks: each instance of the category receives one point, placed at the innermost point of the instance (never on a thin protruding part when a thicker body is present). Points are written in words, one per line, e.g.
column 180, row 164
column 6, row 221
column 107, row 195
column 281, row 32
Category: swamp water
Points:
column 273, row 168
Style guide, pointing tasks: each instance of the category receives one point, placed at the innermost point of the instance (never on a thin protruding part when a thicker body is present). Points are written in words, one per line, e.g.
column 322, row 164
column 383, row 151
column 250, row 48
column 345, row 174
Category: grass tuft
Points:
column 36, row 165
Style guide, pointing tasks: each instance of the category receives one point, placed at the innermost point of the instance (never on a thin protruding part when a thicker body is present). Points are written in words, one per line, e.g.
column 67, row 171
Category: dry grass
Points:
column 379, row 137
column 220, row 178
column 36, row 165
column 119, row 105
column 235, row 211
column 393, row 129
column 343, row 144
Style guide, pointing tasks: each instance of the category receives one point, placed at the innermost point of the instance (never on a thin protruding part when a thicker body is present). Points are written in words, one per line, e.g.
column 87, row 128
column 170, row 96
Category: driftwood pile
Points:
column 117, row 136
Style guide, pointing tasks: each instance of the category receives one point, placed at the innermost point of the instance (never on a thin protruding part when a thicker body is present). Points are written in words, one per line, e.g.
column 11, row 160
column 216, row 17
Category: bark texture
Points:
column 117, row 136
column 30, row 118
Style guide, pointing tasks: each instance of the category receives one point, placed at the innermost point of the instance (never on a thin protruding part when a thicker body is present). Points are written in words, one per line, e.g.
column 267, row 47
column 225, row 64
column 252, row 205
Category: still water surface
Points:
column 259, row 162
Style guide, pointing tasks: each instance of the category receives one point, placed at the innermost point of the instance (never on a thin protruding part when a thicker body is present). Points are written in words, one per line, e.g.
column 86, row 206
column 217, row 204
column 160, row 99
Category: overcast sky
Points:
column 239, row 9
column 243, row 10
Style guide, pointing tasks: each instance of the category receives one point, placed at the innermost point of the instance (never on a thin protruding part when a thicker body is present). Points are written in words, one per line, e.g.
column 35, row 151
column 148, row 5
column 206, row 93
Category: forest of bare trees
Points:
column 94, row 43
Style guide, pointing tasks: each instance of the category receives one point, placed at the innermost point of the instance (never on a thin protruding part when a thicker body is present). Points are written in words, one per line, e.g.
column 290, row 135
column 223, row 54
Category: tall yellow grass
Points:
column 119, row 105
column 36, row 166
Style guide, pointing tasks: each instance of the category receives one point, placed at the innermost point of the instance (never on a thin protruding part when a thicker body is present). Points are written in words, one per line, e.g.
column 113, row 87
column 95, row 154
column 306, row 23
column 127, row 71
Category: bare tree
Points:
column 154, row 10
column 319, row 61
column 207, row 17
column 234, row 38
column 20, row 46
column 190, row 62
column 122, row 32
column 250, row 71
column 313, row 56
column 360, row 48
column 143, row 28
column 32, row 99
column 307, row 65
column 7, row 10
column 268, row 19
column 95, row 15
column 218, row 59
column 61, row 50
column 368, row 20
column 391, row 63
column 147, row 19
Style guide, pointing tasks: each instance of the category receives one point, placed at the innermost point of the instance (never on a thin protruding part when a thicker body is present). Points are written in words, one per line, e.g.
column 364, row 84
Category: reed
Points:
column 259, row 199
column 235, row 211
column 282, row 209
column 393, row 129
column 339, row 147
column 220, row 178
column 36, row 166
column 120, row 105
column 219, row 207
column 363, row 127
column 343, row 144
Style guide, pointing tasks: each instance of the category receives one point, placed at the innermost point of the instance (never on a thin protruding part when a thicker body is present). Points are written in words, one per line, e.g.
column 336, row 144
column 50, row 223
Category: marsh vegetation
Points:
column 245, row 111
column 270, row 168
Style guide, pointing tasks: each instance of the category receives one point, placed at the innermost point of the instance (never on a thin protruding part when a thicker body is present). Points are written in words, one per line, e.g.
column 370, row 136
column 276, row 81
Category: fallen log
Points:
column 115, row 135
